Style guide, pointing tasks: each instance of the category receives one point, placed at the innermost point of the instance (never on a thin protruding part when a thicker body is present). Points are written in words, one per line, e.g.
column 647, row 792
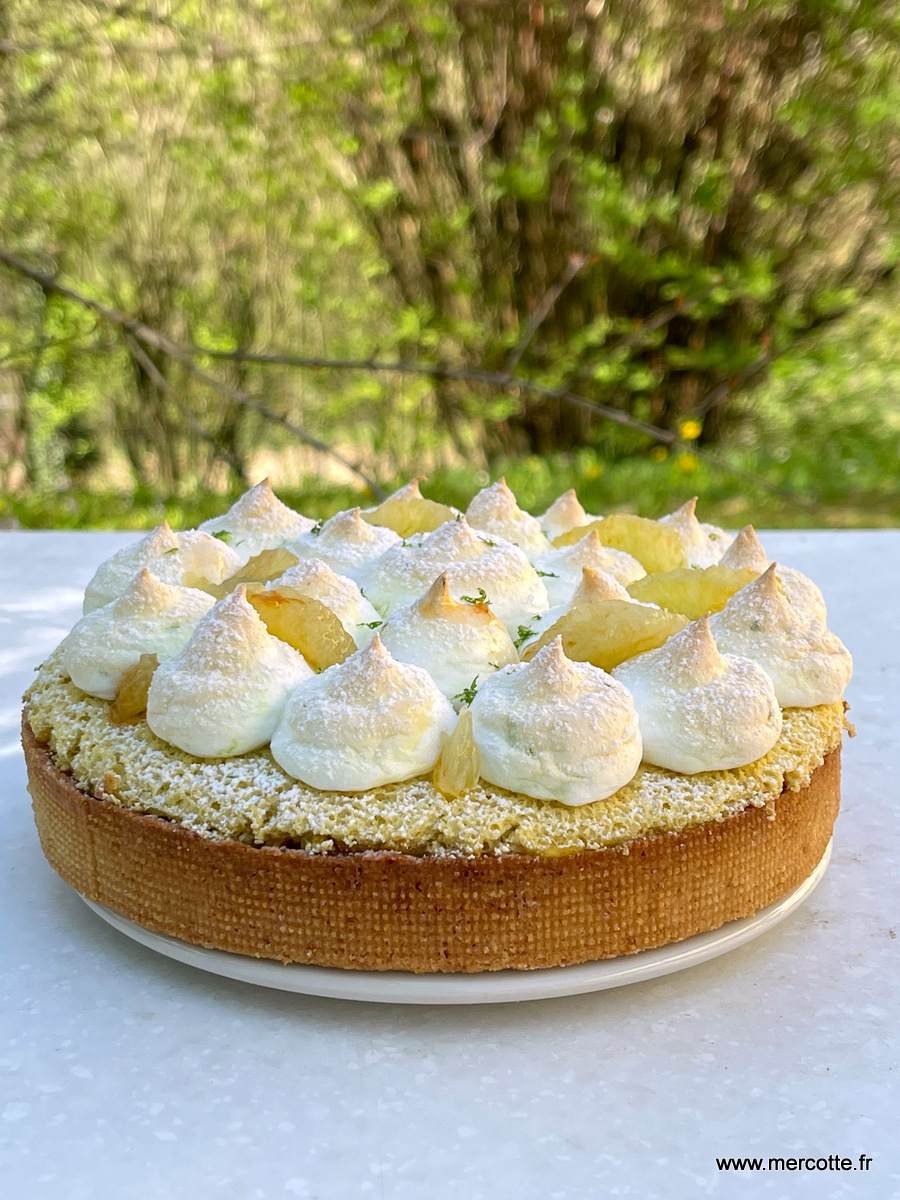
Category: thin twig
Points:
column 163, row 385
column 717, row 394
column 656, row 320
column 543, row 310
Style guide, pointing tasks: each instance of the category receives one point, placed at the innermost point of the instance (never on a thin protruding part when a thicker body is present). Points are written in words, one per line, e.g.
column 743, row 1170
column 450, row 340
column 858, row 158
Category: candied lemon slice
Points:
column 304, row 623
column 607, row 632
column 262, row 568
column 692, row 591
column 130, row 703
column 656, row 547
column 409, row 515
column 459, row 766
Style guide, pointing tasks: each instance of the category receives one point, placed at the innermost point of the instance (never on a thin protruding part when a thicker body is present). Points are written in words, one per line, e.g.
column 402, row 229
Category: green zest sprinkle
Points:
column 481, row 598
column 547, row 574
column 317, row 528
column 467, row 695
column 525, row 632
column 174, row 550
column 224, row 536
column 371, row 624
column 488, row 542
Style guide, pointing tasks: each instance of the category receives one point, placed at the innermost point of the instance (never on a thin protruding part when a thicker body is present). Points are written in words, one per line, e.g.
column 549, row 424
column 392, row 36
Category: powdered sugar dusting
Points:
column 251, row 799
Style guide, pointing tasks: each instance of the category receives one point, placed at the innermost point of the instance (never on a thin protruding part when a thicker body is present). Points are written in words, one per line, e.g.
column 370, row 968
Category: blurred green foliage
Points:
column 690, row 217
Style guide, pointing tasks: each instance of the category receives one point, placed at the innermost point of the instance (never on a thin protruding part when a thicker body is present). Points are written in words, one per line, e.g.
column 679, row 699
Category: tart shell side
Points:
column 383, row 911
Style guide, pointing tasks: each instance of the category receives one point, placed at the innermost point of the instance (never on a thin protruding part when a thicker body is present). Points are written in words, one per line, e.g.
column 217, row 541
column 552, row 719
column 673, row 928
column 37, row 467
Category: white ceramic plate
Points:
column 489, row 987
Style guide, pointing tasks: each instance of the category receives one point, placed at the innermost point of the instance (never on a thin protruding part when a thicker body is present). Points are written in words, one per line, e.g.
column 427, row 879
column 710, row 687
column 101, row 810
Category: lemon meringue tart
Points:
column 412, row 739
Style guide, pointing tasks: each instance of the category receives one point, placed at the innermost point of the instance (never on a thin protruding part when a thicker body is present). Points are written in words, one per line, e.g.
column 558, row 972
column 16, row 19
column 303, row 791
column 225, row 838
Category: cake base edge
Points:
column 383, row 911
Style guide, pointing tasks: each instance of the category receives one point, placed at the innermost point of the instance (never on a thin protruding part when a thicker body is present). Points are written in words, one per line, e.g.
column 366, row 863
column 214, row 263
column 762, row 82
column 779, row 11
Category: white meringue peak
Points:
column 409, row 491
column 181, row 559
column 455, row 642
column 223, row 693
column 314, row 579
column 474, row 564
column 258, row 521
column 556, row 729
column 366, row 722
column 746, row 551
column 565, row 513
column 407, row 570
column 113, row 576
column 495, row 512
column 561, row 568
column 150, row 617
column 703, row 544
column 597, row 584
column 347, row 543
column 806, row 662
column 700, row 710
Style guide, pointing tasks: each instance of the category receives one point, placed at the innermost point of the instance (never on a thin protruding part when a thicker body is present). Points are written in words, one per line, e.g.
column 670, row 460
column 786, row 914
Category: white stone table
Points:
column 126, row 1076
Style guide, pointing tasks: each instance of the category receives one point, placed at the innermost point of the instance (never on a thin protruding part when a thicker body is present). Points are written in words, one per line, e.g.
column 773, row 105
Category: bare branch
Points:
column 576, row 263
column 162, row 384
column 505, row 380
column 186, row 356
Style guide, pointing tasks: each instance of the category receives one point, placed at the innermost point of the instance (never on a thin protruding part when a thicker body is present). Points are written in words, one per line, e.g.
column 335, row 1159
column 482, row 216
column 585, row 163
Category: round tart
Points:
column 534, row 829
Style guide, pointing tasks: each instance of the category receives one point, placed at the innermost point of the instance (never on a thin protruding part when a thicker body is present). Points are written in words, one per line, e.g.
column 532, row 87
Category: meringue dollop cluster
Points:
column 441, row 621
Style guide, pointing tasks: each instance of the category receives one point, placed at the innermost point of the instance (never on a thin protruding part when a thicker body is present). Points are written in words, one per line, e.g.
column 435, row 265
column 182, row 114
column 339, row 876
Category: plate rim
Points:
column 485, row 987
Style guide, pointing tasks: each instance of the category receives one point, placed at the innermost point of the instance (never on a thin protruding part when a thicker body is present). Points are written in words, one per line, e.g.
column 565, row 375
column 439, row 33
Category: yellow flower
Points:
column 690, row 430
column 686, row 462
column 659, row 454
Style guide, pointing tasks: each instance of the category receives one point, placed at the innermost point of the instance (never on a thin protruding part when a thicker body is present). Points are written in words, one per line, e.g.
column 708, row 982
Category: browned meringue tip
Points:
column 745, row 550
column 410, row 490
column 697, row 639
column 374, row 649
column 264, row 485
column 692, row 655
column 439, row 602
column 437, row 599
column 766, row 589
column 688, row 509
column 592, row 537
column 597, row 585
column 351, row 516
column 145, row 585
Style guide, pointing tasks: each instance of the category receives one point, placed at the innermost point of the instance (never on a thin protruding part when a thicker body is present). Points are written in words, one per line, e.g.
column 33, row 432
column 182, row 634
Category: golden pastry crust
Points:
column 384, row 910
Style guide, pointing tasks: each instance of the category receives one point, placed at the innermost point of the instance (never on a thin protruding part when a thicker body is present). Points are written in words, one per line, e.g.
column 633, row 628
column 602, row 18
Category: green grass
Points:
column 805, row 489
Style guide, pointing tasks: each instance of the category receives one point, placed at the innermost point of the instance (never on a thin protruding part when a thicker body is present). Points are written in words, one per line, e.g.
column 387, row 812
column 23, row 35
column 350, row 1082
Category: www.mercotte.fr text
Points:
column 833, row 1162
